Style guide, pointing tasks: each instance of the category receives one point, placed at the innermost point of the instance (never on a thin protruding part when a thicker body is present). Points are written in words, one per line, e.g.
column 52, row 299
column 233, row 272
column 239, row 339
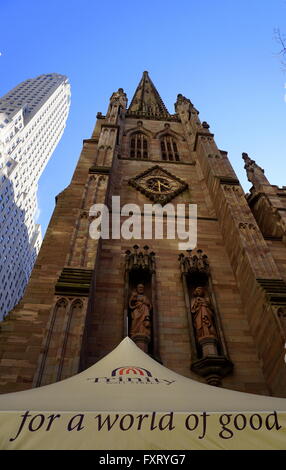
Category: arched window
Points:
column 282, row 317
column 139, row 146
column 169, row 149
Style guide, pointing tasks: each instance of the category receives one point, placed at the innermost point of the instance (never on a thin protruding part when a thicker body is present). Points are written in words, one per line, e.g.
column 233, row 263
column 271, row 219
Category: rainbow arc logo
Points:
column 131, row 371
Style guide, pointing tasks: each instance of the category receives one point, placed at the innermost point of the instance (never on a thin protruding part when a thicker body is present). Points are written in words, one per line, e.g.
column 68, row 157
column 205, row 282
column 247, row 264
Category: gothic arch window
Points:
column 282, row 317
column 70, row 341
column 169, row 148
column 60, row 312
column 139, row 146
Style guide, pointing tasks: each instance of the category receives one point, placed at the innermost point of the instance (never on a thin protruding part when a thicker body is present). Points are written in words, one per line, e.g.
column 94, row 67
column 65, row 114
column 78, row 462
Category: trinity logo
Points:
column 131, row 371
column 131, row 375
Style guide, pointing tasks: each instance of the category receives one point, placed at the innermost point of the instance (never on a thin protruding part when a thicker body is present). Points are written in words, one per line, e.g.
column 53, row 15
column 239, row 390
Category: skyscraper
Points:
column 215, row 314
column 32, row 120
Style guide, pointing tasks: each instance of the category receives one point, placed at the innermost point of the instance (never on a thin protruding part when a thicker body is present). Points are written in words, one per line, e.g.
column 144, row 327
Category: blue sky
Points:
column 219, row 53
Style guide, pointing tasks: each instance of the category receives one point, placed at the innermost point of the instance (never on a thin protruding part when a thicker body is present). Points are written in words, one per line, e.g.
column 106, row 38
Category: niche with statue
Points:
column 209, row 353
column 140, row 306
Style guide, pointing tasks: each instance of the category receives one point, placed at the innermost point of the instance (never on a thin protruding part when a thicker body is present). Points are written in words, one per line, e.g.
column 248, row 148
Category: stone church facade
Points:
column 216, row 313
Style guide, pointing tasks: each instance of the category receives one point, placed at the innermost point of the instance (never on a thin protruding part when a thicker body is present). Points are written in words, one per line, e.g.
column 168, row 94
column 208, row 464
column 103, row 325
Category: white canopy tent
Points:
column 129, row 401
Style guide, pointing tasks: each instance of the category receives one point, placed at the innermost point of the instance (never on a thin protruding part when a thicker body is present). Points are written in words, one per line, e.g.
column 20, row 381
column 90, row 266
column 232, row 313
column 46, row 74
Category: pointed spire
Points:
column 147, row 101
column 255, row 173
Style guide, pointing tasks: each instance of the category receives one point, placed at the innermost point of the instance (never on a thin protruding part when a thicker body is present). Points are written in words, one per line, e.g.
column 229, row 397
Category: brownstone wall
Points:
column 107, row 323
column 24, row 331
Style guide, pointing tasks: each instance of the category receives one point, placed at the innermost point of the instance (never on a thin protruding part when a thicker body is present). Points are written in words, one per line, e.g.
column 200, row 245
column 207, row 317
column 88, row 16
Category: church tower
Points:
column 215, row 313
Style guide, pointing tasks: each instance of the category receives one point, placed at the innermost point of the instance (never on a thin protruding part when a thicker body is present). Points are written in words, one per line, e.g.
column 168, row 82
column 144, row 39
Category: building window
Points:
column 169, row 149
column 139, row 146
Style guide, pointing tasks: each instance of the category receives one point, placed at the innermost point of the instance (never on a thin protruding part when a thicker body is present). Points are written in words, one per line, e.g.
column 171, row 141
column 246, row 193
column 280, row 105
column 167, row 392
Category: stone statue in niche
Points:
column 202, row 314
column 140, row 307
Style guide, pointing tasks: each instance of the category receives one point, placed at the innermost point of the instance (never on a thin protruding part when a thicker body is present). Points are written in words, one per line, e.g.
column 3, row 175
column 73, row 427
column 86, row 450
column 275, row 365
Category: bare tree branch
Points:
column 281, row 40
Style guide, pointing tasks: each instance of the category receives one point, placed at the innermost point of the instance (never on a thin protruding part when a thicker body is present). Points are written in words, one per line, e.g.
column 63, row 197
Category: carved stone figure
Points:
column 203, row 316
column 140, row 307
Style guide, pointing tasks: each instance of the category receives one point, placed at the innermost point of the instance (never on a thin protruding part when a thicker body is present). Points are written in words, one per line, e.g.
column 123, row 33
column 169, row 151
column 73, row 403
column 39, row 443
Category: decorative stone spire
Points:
column 118, row 100
column 147, row 101
column 119, row 97
column 255, row 173
column 182, row 100
column 189, row 116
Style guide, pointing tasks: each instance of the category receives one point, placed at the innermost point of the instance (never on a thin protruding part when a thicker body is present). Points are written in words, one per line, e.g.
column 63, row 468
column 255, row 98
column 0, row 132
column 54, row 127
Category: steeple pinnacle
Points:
column 255, row 173
column 146, row 101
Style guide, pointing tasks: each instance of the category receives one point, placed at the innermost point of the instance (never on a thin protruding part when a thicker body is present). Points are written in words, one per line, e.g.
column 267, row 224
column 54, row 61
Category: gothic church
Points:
column 216, row 313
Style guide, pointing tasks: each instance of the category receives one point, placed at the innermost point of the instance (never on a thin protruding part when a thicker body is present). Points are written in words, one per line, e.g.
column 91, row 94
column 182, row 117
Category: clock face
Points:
column 159, row 184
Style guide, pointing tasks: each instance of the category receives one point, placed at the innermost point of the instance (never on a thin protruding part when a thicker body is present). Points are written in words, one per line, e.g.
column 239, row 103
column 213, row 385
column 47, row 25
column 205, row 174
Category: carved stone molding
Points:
column 110, row 126
column 137, row 259
column 171, row 162
column 194, row 262
column 84, row 214
column 171, row 117
column 228, row 180
column 102, row 170
column 246, row 225
column 90, row 141
column 229, row 187
column 204, row 136
column 74, row 281
column 212, row 368
column 275, row 290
